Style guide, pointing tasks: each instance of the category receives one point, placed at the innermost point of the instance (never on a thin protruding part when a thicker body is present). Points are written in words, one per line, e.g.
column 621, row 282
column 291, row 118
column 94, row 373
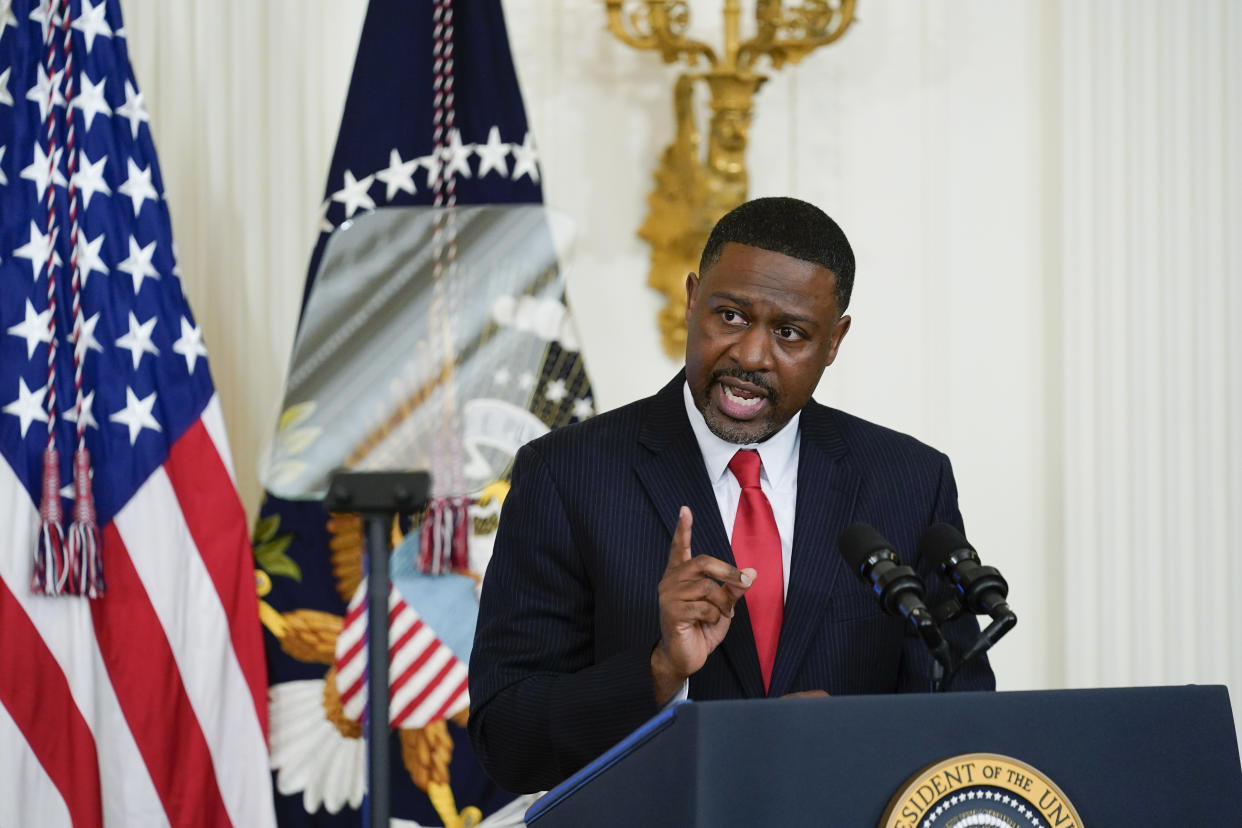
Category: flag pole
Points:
column 376, row 719
column 378, row 497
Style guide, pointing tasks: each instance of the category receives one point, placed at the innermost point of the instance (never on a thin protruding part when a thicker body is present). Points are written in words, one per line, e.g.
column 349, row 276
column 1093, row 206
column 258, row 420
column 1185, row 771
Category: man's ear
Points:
column 838, row 334
column 692, row 292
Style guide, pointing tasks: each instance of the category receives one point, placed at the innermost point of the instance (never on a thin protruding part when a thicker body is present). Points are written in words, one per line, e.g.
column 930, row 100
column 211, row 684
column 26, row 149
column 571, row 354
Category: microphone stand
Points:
column 943, row 662
column 379, row 497
column 1003, row 620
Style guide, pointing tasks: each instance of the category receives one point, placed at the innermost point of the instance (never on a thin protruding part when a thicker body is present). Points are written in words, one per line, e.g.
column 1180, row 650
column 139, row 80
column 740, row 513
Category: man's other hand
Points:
column 697, row 595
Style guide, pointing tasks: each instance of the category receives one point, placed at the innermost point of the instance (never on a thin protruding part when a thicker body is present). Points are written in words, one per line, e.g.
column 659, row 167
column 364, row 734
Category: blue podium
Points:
column 1157, row 756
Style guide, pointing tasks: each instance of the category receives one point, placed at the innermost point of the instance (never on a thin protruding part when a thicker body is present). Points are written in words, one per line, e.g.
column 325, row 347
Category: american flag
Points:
column 146, row 704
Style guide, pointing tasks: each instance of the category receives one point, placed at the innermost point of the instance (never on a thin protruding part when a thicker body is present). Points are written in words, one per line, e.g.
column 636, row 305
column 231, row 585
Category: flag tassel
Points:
column 51, row 566
column 85, row 549
column 444, row 545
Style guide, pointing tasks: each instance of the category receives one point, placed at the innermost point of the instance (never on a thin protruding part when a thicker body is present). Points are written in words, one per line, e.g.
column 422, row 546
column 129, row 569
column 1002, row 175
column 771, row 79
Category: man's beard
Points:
column 733, row 431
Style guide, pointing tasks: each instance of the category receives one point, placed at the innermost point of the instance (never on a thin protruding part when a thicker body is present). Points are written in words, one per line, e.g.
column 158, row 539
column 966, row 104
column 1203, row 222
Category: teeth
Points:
column 752, row 402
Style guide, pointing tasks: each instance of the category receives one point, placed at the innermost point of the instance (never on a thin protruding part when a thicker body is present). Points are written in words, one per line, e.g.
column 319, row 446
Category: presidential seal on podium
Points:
column 980, row 789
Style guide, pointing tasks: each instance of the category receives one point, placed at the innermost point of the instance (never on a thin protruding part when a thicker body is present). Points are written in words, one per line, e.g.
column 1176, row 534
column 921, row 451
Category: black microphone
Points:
column 896, row 586
column 982, row 589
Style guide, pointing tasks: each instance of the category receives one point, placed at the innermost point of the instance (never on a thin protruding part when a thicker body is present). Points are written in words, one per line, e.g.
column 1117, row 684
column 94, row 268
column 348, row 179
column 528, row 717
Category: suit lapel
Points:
column 672, row 472
column 827, row 488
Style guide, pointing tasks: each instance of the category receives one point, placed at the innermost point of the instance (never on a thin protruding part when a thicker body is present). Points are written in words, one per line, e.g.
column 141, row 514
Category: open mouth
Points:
column 740, row 402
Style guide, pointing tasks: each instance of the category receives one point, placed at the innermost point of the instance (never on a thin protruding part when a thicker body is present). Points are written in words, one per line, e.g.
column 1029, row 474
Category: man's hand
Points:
column 697, row 595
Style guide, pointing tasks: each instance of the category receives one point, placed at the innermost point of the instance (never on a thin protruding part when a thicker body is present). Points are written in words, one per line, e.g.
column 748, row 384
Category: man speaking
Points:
column 685, row 544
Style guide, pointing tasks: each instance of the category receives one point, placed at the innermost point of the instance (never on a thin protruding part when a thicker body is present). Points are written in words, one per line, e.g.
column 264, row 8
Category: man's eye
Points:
column 731, row 317
column 786, row 332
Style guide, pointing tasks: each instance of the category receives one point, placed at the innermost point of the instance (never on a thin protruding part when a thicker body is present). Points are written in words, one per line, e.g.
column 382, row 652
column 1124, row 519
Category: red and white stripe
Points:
column 426, row 681
column 146, row 706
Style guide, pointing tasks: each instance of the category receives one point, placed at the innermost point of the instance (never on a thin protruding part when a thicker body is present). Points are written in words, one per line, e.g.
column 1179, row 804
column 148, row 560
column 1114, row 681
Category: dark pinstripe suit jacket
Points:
column 569, row 613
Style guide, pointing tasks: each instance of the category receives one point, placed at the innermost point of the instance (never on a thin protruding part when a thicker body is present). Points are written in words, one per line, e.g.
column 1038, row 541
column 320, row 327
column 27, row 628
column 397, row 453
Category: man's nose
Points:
column 753, row 350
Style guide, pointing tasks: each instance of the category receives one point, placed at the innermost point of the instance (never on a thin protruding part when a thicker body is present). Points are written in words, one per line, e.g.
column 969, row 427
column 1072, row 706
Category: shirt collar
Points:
column 779, row 452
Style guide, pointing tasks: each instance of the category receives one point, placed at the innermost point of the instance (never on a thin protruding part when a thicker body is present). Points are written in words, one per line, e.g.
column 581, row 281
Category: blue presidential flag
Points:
column 433, row 335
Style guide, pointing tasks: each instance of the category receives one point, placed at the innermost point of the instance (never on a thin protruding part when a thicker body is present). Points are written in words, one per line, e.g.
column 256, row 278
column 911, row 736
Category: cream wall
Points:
column 1044, row 199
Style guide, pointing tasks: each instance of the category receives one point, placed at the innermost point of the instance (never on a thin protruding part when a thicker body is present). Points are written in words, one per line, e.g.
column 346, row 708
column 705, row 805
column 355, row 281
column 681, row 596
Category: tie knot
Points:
column 745, row 467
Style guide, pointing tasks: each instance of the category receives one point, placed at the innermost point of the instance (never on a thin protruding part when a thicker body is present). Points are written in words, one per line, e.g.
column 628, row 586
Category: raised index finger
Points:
column 679, row 550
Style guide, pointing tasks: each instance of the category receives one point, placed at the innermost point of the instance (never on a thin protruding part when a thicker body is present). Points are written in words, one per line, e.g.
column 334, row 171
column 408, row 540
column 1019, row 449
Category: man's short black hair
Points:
column 791, row 227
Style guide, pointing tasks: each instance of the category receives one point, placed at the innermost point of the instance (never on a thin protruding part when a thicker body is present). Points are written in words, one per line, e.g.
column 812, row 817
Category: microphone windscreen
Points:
column 858, row 541
column 939, row 541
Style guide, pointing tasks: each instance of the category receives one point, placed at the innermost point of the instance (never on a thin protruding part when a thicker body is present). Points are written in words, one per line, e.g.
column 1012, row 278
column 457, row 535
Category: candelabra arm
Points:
column 788, row 35
column 658, row 26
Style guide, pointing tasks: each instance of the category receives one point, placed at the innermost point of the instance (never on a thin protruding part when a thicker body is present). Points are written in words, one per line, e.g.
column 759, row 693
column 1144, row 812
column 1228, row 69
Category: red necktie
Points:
column 757, row 544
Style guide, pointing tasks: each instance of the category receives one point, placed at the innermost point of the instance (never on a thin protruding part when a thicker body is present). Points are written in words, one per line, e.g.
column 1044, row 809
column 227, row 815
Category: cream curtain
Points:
column 245, row 100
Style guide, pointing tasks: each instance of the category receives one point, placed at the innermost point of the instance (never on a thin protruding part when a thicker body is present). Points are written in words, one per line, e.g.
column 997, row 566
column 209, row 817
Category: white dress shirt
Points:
column 778, row 477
